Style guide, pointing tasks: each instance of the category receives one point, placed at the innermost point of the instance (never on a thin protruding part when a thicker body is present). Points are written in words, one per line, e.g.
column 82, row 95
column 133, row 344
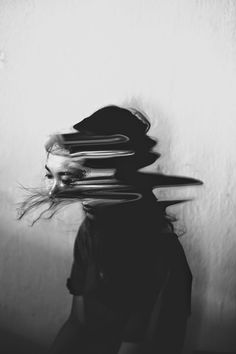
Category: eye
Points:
column 67, row 181
column 80, row 174
column 49, row 176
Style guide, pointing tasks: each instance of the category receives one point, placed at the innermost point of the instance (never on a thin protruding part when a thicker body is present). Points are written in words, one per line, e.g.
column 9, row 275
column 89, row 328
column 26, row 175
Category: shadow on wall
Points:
column 12, row 343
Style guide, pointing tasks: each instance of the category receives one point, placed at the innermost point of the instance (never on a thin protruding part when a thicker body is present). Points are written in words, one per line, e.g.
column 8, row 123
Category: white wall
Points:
column 61, row 60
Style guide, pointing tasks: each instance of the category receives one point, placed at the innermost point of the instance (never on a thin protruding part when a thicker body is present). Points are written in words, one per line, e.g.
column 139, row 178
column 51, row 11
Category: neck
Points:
column 94, row 206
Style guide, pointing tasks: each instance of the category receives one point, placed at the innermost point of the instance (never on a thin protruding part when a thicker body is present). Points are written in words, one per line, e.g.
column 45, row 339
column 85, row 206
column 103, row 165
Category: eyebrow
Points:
column 47, row 168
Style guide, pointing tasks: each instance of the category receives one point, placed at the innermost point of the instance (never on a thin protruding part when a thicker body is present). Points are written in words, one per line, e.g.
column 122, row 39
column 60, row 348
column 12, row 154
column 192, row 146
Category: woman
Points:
column 130, row 280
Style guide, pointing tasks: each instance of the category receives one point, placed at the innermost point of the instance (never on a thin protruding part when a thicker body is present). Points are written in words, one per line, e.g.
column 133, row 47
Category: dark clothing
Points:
column 132, row 271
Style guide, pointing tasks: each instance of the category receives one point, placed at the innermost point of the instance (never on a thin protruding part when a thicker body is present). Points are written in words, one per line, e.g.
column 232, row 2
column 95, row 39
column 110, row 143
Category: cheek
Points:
column 49, row 183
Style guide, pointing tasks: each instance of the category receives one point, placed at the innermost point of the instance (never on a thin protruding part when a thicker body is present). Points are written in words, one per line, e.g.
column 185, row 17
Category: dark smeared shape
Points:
column 114, row 138
column 114, row 143
column 114, row 120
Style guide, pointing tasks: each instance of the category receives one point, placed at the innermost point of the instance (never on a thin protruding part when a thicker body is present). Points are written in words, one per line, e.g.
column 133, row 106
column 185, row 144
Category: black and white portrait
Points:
column 117, row 176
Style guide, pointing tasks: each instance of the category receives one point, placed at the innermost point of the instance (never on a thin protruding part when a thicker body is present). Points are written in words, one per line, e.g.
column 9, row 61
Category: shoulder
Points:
column 84, row 229
column 82, row 240
column 178, row 262
column 172, row 244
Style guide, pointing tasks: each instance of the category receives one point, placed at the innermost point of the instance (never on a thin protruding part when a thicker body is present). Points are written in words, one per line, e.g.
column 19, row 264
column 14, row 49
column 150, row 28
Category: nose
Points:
column 54, row 189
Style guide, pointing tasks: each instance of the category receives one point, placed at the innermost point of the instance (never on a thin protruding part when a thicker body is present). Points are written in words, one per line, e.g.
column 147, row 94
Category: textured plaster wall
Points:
column 61, row 60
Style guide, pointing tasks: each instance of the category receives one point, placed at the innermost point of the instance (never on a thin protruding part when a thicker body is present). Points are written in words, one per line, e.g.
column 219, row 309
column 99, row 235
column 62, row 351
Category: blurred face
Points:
column 69, row 178
column 61, row 174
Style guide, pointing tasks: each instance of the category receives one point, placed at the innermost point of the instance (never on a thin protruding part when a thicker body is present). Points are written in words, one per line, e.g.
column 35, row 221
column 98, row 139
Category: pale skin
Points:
column 59, row 174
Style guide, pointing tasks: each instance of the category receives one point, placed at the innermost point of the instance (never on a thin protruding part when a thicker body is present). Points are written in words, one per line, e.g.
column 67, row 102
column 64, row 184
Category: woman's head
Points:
column 110, row 142
column 84, row 165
